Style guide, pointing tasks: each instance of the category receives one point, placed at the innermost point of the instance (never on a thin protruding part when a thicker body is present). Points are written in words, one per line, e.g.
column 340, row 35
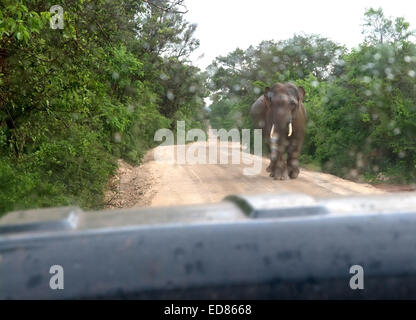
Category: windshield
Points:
column 119, row 104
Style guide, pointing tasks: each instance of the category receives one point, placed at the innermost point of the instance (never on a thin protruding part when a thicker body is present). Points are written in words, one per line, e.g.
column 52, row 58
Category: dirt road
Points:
column 160, row 183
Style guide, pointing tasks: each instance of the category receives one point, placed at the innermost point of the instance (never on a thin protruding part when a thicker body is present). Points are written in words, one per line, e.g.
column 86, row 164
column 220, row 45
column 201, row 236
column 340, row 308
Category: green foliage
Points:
column 241, row 77
column 72, row 101
column 361, row 105
column 366, row 121
column 18, row 22
column 378, row 29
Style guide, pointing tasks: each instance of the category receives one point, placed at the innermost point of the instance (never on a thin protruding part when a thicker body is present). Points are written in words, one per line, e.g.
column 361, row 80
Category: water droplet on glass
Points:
column 353, row 173
column 367, row 79
column 117, row 137
column 192, row 89
column 170, row 95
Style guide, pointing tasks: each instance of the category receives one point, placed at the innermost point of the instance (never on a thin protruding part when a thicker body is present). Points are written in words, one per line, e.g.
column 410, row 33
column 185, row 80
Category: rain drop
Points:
column 117, row 137
column 170, row 95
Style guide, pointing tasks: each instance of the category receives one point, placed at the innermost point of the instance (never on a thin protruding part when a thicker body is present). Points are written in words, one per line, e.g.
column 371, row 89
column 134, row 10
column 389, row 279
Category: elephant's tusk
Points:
column 290, row 129
column 272, row 132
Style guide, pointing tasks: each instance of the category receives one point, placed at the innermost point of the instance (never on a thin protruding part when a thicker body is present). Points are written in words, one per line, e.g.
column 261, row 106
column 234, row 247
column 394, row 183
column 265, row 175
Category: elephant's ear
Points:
column 302, row 93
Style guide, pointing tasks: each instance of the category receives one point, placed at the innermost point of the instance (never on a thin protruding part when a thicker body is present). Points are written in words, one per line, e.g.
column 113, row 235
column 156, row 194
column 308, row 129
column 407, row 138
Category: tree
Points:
column 72, row 101
column 378, row 29
column 237, row 79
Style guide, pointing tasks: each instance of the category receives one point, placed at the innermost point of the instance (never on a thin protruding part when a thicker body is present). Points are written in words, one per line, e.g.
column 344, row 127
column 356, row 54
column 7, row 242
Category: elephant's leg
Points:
column 275, row 168
column 272, row 167
column 279, row 168
column 269, row 167
column 293, row 154
column 274, row 160
column 269, row 149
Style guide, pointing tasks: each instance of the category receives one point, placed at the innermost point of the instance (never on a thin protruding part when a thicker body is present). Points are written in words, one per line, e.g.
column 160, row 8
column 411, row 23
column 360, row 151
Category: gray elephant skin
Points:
column 281, row 115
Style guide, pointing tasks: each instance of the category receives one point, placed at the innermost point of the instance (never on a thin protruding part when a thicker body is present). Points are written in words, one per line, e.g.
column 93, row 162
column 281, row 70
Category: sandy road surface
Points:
column 163, row 183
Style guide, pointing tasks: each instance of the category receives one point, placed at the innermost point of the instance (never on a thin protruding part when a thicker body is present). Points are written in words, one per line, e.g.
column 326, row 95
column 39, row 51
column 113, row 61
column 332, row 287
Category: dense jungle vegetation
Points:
column 74, row 100
column 361, row 103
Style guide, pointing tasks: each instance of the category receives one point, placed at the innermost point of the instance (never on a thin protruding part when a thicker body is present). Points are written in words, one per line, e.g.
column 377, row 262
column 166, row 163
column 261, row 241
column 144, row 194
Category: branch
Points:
column 168, row 9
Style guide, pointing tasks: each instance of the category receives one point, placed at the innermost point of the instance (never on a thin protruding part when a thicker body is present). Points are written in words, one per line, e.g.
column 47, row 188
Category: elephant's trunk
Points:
column 290, row 132
column 274, row 137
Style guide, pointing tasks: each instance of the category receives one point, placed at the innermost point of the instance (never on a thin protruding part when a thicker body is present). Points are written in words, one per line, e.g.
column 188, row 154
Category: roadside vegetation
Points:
column 361, row 103
column 74, row 100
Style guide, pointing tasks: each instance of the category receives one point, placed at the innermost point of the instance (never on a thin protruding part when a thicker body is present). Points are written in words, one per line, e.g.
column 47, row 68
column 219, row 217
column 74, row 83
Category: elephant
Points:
column 281, row 116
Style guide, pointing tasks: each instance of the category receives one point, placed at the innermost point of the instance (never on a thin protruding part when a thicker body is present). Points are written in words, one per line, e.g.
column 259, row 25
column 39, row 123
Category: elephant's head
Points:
column 284, row 101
